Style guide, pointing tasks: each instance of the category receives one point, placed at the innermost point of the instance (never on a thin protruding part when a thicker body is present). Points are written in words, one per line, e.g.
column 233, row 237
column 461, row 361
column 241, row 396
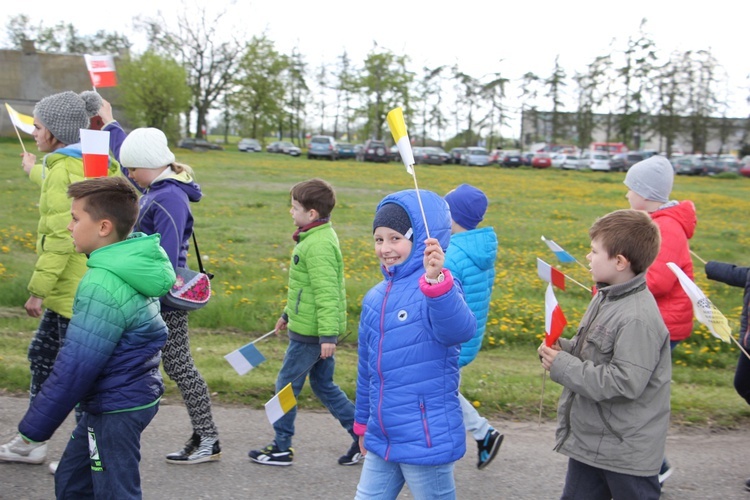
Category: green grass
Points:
column 244, row 230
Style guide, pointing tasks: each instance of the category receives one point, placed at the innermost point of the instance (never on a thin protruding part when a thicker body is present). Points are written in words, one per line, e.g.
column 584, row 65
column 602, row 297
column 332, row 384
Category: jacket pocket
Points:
column 606, row 423
column 602, row 338
column 425, row 423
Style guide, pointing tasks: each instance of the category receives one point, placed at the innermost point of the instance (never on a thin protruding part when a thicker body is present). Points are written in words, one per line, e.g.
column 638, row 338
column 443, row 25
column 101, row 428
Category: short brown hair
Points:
column 112, row 198
column 630, row 233
column 315, row 194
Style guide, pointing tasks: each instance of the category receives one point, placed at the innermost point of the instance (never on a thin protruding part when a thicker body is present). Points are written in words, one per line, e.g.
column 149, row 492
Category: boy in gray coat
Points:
column 613, row 413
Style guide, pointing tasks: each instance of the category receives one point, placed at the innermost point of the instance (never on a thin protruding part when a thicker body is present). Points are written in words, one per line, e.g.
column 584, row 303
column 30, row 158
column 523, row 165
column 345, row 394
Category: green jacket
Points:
column 316, row 301
column 59, row 267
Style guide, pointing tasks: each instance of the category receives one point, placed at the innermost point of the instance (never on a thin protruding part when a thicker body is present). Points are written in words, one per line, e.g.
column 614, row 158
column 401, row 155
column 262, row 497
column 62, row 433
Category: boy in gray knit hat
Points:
column 649, row 185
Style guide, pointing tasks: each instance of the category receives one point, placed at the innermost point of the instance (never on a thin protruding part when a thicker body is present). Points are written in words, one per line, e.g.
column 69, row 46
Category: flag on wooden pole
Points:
column 280, row 404
column 550, row 274
column 554, row 319
column 95, row 149
column 20, row 121
column 101, row 70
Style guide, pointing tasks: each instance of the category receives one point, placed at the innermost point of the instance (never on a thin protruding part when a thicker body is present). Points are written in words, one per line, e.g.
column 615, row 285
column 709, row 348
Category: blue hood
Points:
column 437, row 213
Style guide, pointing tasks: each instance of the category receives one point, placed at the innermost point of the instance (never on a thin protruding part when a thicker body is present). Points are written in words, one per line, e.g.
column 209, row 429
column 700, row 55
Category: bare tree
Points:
column 210, row 63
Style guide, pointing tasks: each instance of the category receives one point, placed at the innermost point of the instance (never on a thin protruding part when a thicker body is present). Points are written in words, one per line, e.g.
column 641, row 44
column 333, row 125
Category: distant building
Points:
column 27, row 76
column 536, row 126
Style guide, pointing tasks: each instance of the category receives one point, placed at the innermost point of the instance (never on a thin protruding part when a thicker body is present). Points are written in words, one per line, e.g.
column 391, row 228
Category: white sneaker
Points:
column 18, row 451
column 53, row 467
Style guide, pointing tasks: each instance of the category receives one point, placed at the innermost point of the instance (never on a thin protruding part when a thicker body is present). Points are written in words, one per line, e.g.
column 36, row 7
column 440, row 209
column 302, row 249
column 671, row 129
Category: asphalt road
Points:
column 707, row 464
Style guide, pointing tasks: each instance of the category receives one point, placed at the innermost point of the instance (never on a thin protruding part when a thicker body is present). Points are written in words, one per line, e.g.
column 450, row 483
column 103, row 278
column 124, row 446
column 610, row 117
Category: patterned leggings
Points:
column 44, row 347
column 180, row 367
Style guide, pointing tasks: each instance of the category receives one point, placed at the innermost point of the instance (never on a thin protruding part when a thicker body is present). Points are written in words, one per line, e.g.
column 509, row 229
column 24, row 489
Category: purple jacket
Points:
column 165, row 209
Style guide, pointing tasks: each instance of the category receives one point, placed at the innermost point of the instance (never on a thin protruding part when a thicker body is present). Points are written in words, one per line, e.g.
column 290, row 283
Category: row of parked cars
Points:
column 326, row 147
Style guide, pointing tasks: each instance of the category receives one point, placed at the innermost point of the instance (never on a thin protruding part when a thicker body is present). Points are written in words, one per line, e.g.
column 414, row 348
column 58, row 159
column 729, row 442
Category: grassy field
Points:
column 244, row 230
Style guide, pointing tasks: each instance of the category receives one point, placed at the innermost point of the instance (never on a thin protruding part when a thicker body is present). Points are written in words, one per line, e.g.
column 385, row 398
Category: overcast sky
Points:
column 482, row 37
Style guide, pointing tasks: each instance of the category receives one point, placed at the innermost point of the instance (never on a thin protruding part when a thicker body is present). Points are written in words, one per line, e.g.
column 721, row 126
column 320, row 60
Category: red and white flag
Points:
column 101, row 70
column 554, row 319
column 550, row 274
column 95, row 149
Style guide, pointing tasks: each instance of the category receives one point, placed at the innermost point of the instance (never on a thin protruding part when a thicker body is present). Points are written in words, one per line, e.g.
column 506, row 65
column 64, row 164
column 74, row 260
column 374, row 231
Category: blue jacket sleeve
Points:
column 727, row 273
column 451, row 318
column 93, row 333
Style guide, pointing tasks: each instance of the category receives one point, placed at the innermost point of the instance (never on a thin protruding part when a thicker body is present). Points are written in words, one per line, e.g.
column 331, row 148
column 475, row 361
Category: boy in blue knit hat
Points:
column 471, row 257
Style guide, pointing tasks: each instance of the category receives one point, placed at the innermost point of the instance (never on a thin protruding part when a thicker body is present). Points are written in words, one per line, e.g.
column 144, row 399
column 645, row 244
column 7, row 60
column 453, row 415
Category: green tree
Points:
column 258, row 94
column 493, row 94
column 153, row 91
column 555, row 84
column 384, row 83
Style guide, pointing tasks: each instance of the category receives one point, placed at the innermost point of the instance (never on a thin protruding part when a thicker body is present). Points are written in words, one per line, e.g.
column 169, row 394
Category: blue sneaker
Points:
column 665, row 472
column 272, row 455
column 488, row 447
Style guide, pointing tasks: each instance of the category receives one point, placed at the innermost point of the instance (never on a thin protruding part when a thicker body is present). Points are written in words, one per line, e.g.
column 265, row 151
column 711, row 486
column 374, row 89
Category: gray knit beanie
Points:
column 146, row 148
column 651, row 178
column 66, row 113
column 394, row 217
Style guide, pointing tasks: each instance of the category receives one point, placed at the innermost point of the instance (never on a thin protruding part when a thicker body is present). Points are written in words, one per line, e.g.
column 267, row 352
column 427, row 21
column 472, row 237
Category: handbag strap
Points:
column 198, row 256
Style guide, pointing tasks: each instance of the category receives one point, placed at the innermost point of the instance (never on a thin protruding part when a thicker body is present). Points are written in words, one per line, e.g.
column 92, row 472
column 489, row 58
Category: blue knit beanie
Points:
column 468, row 206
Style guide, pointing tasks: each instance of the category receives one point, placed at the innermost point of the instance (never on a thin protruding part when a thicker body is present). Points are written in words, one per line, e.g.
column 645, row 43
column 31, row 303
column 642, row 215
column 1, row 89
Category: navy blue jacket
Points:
column 734, row 276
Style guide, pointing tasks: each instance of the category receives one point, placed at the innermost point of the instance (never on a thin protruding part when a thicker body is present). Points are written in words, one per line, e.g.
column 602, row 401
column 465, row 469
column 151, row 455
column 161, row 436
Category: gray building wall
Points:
column 27, row 76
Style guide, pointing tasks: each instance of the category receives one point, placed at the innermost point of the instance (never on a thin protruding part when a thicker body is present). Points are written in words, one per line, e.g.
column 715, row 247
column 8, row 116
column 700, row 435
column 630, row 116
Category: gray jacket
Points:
column 614, row 409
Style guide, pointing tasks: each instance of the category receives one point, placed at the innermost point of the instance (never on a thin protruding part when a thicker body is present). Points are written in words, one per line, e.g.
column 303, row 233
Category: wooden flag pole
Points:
column 419, row 198
column 19, row 137
column 740, row 346
column 577, row 283
column 698, row 257
column 264, row 336
column 541, row 400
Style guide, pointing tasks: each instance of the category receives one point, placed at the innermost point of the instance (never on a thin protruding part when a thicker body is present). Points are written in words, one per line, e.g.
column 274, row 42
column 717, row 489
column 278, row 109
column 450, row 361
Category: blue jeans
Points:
column 101, row 459
column 384, row 480
column 300, row 361
column 584, row 482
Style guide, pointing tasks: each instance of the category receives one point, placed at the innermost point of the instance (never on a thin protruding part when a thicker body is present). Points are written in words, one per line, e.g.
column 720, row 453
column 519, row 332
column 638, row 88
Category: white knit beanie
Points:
column 145, row 148
column 651, row 178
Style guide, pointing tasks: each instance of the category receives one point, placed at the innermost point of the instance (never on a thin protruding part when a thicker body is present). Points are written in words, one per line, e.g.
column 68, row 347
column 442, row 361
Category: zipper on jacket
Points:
column 297, row 302
column 380, row 371
column 425, row 425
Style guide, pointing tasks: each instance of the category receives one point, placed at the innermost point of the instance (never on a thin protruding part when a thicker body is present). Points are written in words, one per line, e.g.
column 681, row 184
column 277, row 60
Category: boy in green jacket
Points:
column 314, row 316
column 109, row 362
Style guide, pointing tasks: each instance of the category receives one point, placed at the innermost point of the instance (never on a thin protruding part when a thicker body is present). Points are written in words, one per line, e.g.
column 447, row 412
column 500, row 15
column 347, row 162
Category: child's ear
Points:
column 621, row 262
column 105, row 228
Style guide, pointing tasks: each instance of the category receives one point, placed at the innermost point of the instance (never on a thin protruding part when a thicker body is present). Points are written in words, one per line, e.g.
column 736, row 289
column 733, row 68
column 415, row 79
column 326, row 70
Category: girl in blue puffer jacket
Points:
column 412, row 324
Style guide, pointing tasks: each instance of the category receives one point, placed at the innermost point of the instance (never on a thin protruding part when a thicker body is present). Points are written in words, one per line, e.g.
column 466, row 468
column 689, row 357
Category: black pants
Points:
column 742, row 377
column 584, row 482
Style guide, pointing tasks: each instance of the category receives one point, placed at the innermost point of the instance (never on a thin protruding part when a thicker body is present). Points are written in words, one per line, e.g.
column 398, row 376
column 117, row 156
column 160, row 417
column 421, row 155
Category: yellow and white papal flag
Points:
column 397, row 125
column 280, row 404
column 20, row 121
column 704, row 310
